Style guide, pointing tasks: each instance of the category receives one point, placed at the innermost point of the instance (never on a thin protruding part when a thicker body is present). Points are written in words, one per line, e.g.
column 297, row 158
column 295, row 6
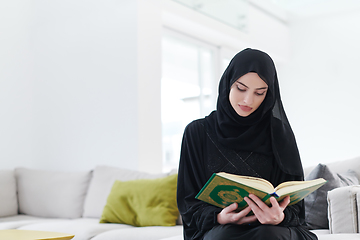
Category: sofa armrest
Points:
column 358, row 208
column 343, row 209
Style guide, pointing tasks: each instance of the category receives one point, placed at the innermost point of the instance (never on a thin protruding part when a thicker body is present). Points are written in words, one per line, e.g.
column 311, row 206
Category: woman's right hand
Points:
column 229, row 215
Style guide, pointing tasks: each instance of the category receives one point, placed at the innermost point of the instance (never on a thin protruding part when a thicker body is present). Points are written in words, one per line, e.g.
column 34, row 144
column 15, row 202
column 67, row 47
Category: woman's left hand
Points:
column 268, row 215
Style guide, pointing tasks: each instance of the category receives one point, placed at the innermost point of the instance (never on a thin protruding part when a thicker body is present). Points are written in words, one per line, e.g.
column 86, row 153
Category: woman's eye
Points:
column 260, row 94
column 240, row 89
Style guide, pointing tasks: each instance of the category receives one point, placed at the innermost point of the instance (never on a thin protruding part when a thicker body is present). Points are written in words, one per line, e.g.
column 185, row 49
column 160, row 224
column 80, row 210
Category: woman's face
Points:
column 247, row 93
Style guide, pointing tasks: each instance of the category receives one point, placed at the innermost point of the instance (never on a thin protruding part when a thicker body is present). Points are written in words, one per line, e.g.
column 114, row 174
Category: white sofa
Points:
column 344, row 218
column 72, row 202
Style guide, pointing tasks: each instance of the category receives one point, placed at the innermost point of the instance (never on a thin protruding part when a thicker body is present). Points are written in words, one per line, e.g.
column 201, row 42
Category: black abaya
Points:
column 201, row 156
column 225, row 141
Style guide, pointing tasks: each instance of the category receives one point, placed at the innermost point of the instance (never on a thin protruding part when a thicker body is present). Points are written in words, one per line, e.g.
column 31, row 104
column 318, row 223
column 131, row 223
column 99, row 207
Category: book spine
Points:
column 274, row 194
column 207, row 183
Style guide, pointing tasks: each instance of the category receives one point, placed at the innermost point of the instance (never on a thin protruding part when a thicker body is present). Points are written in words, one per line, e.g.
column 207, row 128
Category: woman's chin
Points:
column 243, row 113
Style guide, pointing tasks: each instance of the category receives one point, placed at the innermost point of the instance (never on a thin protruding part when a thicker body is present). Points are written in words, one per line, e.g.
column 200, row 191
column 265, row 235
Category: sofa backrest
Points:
column 52, row 194
column 102, row 182
column 8, row 198
column 340, row 166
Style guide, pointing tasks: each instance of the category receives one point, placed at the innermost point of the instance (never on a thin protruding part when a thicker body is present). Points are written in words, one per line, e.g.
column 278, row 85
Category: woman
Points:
column 248, row 134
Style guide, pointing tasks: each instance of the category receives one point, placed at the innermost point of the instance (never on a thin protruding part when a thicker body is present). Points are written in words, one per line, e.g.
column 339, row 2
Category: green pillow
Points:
column 144, row 202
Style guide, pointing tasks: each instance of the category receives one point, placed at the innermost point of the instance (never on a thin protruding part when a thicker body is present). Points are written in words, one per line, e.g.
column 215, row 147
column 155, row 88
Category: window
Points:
column 191, row 70
column 188, row 89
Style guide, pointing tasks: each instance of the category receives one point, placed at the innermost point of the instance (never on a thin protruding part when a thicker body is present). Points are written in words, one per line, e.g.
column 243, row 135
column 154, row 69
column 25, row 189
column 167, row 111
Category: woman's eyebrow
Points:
column 248, row 87
column 242, row 84
column 262, row 88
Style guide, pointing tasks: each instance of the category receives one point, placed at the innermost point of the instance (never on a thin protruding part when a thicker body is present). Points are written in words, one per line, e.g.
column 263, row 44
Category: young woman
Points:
column 248, row 134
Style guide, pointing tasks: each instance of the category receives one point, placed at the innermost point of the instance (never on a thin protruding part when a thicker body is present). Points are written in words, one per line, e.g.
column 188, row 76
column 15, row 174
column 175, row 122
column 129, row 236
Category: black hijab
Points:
column 267, row 129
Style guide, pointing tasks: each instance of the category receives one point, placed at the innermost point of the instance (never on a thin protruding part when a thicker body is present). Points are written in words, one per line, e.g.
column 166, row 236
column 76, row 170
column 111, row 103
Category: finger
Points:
column 274, row 202
column 230, row 208
column 245, row 211
column 247, row 220
column 284, row 203
column 254, row 207
column 249, row 201
column 241, row 214
column 242, row 217
column 258, row 201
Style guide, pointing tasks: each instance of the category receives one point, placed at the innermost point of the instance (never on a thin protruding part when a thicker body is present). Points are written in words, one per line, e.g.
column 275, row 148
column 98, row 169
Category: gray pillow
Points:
column 316, row 203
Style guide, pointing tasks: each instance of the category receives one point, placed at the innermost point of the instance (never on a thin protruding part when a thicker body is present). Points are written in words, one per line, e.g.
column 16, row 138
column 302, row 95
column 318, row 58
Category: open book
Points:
column 223, row 189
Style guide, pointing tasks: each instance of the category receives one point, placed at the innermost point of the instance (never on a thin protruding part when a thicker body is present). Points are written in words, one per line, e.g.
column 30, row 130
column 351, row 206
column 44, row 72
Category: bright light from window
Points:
column 187, row 91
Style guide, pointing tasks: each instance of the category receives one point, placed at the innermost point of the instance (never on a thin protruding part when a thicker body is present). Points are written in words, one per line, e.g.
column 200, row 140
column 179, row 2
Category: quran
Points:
column 223, row 189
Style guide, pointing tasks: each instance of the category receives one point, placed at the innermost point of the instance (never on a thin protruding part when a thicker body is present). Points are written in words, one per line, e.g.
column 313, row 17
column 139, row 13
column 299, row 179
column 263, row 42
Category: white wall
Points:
column 320, row 86
column 73, row 93
column 317, row 59
column 263, row 30
column 80, row 80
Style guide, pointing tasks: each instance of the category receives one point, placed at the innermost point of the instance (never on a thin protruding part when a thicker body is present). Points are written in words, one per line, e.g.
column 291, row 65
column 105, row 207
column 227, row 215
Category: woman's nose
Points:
column 248, row 99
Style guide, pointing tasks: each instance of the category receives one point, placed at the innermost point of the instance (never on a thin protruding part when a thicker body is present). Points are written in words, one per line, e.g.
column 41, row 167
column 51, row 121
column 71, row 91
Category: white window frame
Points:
column 219, row 53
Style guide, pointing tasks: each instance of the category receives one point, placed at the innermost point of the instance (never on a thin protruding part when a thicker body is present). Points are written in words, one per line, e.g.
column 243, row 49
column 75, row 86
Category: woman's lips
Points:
column 245, row 108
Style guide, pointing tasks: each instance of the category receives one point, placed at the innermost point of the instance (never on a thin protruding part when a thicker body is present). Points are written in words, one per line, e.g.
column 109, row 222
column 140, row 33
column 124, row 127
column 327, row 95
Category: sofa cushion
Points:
column 101, row 184
column 17, row 221
column 51, row 193
column 8, row 198
column 321, row 235
column 342, row 210
column 144, row 202
column 178, row 237
column 316, row 202
column 82, row 228
column 148, row 233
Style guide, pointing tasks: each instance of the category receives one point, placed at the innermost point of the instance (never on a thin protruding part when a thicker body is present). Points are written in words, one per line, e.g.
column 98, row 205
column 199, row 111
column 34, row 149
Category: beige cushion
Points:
column 102, row 182
column 51, row 193
column 342, row 209
column 8, row 198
